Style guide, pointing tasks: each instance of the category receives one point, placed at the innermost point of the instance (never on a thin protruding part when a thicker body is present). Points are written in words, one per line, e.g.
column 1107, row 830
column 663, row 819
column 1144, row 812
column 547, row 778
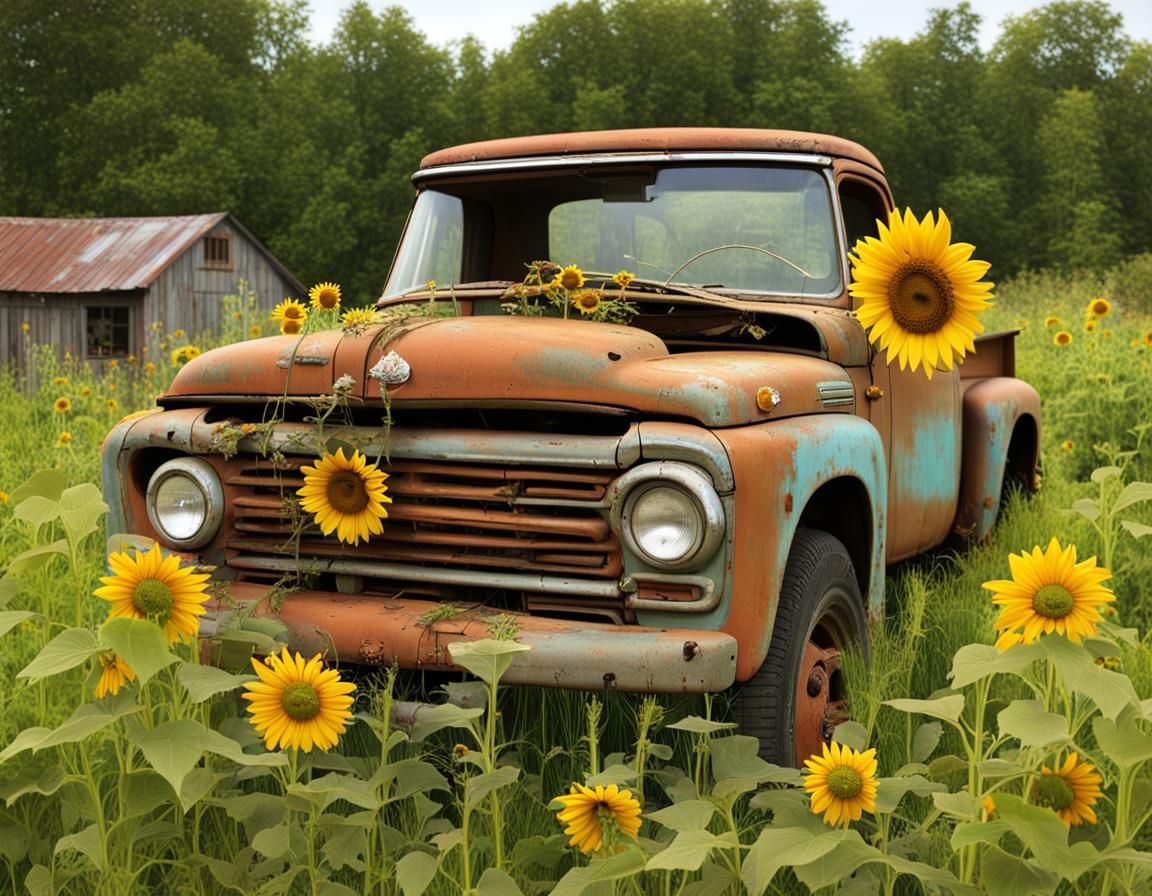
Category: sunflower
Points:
column 570, row 277
column 184, row 354
column 842, row 783
column 65, row 438
column 112, row 405
column 62, row 405
column 298, row 704
column 154, row 586
column 114, row 674
column 60, row 380
column 1062, row 338
column 325, row 296
column 1049, row 592
column 623, row 278
column 255, row 331
column 345, row 495
column 1089, row 325
column 1051, row 321
column 1070, row 790
column 290, row 309
column 355, row 321
column 920, row 293
column 587, row 300
column 291, row 327
column 596, row 817
column 1067, row 445
column 1099, row 307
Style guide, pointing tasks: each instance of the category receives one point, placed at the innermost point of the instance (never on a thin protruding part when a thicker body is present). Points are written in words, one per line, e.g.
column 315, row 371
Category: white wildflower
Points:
column 342, row 388
column 391, row 370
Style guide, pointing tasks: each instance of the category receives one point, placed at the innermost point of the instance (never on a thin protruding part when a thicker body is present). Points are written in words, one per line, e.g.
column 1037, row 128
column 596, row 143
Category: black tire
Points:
column 798, row 695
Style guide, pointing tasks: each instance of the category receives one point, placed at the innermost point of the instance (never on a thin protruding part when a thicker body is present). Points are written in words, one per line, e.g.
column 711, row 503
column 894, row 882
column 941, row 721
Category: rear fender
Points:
column 1000, row 414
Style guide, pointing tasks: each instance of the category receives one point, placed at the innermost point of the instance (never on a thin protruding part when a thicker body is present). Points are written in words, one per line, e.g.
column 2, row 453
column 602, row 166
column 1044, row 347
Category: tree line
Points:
column 1036, row 148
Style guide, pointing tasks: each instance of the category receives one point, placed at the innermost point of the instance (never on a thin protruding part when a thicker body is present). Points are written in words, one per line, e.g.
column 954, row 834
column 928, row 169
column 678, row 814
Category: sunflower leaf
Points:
column 37, row 510
column 202, row 682
column 173, row 749
column 80, row 510
column 487, row 659
column 947, row 707
column 414, row 872
column 617, row 867
column 973, row 662
column 1033, row 725
column 34, row 558
column 67, row 650
column 494, row 882
column 1123, row 741
column 689, row 850
column 140, row 643
column 9, row 619
column 43, row 483
column 1110, row 691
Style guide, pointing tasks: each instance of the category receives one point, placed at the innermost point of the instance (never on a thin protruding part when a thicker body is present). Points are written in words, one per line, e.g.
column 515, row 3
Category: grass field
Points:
column 164, row 787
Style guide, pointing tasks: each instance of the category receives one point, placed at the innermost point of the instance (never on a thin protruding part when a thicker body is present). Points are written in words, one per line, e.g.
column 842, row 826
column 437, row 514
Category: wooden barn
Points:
column 98, row 287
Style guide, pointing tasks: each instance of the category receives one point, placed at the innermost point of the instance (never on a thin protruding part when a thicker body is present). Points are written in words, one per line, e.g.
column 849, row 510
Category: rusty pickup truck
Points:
column 700, row 494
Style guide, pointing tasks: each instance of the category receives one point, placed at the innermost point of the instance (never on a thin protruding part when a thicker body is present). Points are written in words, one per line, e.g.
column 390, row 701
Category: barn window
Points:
column 218, row 251
column 109, row 330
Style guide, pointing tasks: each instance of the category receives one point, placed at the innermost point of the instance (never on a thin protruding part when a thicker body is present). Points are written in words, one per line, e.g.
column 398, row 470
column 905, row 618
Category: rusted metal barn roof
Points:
column 83, row 255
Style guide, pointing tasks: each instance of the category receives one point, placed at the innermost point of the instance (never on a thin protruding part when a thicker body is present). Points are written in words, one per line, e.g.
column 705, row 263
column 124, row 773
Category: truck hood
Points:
column 510, row 361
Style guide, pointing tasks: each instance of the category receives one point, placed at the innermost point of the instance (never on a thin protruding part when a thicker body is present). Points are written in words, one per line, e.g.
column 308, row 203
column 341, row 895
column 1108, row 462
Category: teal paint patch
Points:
column 927, row 470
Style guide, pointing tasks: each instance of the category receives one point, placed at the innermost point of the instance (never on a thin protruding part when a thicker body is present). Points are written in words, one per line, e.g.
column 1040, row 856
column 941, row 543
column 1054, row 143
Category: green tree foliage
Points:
column 141, row 107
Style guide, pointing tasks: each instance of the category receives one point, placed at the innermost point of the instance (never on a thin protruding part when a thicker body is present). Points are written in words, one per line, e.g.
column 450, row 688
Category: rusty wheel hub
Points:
column 820, row 705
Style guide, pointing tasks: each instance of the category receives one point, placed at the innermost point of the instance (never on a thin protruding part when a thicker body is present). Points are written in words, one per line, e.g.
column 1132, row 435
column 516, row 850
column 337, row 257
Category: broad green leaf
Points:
column 198, row 784
column 9, row 619
column 1123, row 741
column 37, row 510
column 323, row 791
column 48, row 484
column 202, row 682
column 408, row 777
column 777, row 847
column 173, row 749
column 617, row 867
column 1110, row 691
column 848, row 854
column 87, row 842
column 698, row 725
column 35, row 558
column 141, row 643
column 1000, row 768
column 971, row 832
column 957, row 805
column 851, row 734
column 494, row 882
column 333, row 888
column 81, row 509
column 1032, row 725
column 273, row 842
column 1044, row 835
column 487, row 659
column 143, row 790
column 429, row 719
column 973, row 662
column 689, row 849
column 691, row 815
column 414, row 872
column 615, row 773
column 889, row 791
column 1135, row 529
column 1089, row 508
column 14, row 840
column 947, row 707
column 1004, row 874
column 88, row 718
column 27, row 739
column 1106, row 474
column 1133, row 493
column 40, row 882
column 480, row 786
column 738, row 757
column 925, row 740
column 347, row 840
column 222, row 745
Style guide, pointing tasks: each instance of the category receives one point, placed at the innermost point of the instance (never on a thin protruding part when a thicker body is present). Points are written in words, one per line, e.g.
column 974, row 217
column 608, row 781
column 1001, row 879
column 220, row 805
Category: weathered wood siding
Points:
column 188, row 295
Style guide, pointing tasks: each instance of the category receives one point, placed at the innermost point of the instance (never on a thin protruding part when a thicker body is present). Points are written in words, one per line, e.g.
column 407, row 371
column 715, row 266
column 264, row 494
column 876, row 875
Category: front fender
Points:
column 778, row 467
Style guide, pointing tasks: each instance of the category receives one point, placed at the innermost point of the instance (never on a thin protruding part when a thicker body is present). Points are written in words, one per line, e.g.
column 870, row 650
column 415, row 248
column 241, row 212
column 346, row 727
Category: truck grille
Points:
column 443, row 515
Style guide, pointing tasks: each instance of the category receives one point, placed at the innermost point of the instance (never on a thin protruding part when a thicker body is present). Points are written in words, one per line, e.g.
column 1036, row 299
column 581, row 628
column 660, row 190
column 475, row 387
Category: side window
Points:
column 108, row 330
column 862, row 205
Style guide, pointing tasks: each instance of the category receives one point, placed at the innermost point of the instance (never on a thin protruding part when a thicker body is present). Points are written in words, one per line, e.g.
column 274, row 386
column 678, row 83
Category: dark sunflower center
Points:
column 1054, row 792
column 346, row 492
column 844, row 782
column 153, row 599
column 921, row 297
column 300, row 701
column 1053, row 601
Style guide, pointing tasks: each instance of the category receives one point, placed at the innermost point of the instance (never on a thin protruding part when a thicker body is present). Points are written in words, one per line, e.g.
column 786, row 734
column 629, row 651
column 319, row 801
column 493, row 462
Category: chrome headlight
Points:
column 185, row 503
column 668, row 514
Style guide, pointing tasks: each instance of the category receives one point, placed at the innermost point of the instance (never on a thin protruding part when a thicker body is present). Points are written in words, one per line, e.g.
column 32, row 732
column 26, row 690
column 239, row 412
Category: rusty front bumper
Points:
column 415, row 634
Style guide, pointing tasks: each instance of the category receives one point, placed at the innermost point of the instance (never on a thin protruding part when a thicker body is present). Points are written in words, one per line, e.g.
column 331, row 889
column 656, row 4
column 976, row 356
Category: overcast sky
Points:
column 494, row 22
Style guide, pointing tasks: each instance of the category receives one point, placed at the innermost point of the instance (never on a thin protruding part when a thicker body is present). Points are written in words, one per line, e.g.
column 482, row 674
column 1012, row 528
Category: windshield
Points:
column 742, row 228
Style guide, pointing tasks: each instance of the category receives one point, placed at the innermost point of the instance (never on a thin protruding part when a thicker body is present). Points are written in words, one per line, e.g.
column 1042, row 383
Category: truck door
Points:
column 918, row 419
